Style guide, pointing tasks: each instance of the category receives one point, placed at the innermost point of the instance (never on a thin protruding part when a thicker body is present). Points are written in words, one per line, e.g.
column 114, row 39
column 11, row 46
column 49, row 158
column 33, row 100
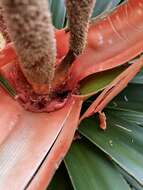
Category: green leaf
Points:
column 133, row 183
column 139, row 78
column 104, row 6
column 5, row 84
column 97, row 82
column 125, row 124
column 130, row 99
column 58, row 11
column 129, row 104
column 90, row 169
column 60, row 180
column 122, row 142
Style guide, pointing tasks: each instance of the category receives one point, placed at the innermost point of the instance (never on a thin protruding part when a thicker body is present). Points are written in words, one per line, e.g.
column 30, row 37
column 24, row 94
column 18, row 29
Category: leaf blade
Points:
column 122, row 141
column 99, row 81
column 97, row 173
column 58, row 11
column 102, row 7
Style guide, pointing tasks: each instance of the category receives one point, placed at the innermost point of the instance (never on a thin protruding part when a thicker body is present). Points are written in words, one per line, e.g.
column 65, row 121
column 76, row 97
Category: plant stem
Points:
column 30, row 26
column 79, row 13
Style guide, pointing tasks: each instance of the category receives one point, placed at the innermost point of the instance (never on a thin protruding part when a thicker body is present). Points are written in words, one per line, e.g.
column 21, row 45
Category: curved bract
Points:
column 29, row 141
column 113, row 89
column 32, row 145
column 112, row 41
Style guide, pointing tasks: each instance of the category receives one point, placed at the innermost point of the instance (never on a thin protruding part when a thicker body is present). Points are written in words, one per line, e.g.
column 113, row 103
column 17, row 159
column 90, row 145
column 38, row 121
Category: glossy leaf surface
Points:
column 131, row 99
column 58, row 11
column 139, row 78
column 60, row 180
column 99, row 81
column 89, row 169
column 122, row 141
column 102, row 7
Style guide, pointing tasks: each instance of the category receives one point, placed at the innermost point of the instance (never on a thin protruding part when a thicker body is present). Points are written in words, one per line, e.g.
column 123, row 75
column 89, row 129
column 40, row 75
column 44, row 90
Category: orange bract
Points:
column 28, row 140
column 33, row 144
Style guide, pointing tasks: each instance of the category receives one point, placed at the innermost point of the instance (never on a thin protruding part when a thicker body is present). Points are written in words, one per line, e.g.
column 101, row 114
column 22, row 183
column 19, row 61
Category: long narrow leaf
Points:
column 122, row 141
column 89, row 169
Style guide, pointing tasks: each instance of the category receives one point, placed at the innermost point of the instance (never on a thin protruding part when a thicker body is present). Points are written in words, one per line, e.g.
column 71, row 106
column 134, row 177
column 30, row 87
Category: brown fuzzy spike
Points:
column 79, row 13
column 30, row 26
column 3, row 27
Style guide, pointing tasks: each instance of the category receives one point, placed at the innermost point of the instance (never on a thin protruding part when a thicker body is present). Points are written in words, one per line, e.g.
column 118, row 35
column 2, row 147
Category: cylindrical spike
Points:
column 79, row 13
column 30, row 26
